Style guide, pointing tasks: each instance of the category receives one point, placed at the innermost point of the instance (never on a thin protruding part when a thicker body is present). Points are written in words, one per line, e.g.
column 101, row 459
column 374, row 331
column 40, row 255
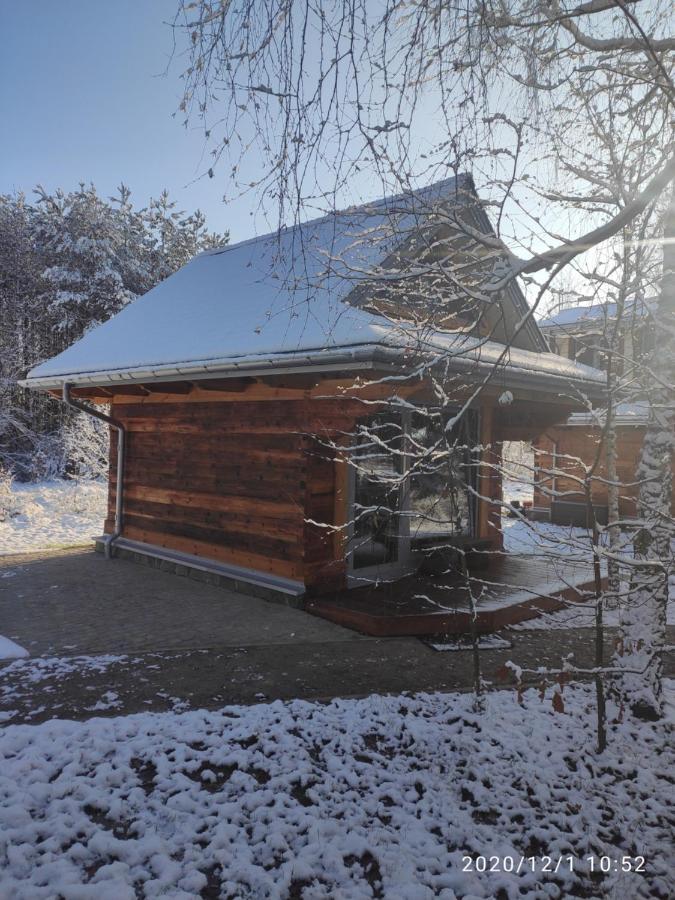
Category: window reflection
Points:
column 413, row 481
column 377, row 460
column 443, row 468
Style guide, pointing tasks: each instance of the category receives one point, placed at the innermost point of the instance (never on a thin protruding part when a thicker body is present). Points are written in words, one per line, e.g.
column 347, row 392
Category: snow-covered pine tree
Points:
column 81, row 237
column 68, row 261
column 174, row 237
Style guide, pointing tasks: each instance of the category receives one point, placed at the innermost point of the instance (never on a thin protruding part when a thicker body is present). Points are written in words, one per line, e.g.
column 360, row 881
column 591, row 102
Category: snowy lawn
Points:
column 390, row 797
column 51, row 514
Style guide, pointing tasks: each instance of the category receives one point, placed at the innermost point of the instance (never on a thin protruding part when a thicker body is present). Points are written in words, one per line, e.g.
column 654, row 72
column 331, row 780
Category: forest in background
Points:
column 69, row 261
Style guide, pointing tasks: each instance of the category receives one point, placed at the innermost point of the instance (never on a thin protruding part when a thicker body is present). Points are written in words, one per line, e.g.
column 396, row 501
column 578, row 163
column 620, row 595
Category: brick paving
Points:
column 68, row 602
column 180, row 644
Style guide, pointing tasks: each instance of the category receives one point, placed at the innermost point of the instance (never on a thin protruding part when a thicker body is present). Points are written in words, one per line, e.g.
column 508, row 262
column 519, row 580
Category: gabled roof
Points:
column 285, row 297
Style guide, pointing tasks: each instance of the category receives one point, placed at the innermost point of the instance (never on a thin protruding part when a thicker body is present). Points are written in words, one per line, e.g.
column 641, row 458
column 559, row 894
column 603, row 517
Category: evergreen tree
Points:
column 69, row 261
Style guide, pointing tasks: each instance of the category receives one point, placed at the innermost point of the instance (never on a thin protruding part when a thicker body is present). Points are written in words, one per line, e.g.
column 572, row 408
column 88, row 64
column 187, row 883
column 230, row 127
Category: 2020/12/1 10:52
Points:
column 591, row 864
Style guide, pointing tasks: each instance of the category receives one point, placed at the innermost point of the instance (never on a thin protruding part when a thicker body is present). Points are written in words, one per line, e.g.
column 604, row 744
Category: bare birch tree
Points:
column 337, row 97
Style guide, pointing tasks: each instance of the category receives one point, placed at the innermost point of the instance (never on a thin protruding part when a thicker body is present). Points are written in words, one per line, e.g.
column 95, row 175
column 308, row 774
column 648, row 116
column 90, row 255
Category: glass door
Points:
column 376, row 548
column 441, row 496
column 412, row 483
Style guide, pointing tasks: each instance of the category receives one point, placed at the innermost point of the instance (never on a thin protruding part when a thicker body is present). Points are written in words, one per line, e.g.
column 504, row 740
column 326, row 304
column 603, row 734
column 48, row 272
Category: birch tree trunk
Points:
column 614, row 531
column 643, row 621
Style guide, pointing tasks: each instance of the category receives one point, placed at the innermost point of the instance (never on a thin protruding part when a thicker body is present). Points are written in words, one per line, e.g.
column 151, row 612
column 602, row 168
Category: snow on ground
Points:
column 40, row 674
column 51, row 514
column 10, row 650
column 397, row 797
column 515, row 489
column 583, row 616
column 28, row 687
column 542, row 538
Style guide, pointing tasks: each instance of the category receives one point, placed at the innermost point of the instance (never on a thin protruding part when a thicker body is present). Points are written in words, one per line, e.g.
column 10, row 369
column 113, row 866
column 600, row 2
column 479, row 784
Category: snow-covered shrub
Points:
column 47, row 460
column 8, row 500
column 85, row 444
column 78, row 450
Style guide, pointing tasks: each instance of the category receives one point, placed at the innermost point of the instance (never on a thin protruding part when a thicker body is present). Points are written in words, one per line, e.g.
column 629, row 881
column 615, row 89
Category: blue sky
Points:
column 88, row 92
column 84, row 96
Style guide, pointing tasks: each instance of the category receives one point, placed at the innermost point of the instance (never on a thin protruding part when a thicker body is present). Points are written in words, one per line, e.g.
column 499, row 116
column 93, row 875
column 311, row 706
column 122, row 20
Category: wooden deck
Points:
column 511, row 590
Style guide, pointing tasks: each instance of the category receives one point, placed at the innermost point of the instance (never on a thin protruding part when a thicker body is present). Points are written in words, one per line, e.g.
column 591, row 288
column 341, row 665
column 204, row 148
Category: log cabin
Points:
column 563, row 454
column 565, row 450
column 238, row 389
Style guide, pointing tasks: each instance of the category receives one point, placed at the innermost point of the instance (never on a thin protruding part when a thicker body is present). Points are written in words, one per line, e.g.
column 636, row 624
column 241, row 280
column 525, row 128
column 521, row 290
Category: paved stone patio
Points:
column 68, row 602
column 110, row 637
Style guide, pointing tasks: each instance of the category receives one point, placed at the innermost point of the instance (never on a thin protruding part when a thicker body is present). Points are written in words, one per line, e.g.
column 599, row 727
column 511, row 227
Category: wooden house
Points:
column 237, row 386
column 564, row 450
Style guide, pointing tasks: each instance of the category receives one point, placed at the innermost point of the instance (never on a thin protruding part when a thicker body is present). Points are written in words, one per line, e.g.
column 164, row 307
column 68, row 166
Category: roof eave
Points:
column 362, row 357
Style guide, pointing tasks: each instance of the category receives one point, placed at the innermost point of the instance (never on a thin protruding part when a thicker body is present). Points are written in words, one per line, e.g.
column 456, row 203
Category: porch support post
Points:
column 489, row 481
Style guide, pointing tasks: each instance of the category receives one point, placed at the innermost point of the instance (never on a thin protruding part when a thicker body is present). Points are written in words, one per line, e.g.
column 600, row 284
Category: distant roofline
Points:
column 591, row 313
column 625, row 414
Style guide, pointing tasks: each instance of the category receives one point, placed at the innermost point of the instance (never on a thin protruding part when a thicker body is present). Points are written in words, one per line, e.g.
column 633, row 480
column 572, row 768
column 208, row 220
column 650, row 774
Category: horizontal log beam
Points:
column 284, row 568
column 251, row 505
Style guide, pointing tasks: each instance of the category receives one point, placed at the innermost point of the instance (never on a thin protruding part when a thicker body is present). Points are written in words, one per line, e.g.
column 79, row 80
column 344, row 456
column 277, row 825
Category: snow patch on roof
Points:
column 278, row 293
column 595, row 312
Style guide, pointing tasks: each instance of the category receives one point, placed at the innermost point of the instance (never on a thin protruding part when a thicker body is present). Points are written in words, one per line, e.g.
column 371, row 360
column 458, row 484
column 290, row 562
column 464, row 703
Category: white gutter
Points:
column 360, row 357
column 121, row 446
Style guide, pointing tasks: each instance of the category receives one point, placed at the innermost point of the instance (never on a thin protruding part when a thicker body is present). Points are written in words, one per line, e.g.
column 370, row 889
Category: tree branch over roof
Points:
column 615, row 43
column 566, row 252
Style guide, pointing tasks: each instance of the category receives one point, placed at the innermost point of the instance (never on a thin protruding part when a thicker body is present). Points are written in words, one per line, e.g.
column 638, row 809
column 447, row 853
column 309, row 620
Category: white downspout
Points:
column 108, row 539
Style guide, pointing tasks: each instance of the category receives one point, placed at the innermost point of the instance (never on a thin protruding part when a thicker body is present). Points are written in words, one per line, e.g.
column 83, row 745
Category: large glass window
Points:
column 442, row 473
column 377, row 462
column 413, row 479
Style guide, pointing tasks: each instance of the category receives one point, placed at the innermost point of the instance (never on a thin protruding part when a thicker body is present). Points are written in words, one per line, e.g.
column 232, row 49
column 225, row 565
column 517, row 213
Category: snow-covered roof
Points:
column 276, row 300
column 635, row 413
column 589, row 313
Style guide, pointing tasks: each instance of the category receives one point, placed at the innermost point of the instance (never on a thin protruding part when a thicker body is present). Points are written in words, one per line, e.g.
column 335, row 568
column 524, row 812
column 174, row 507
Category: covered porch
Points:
column 506, row 589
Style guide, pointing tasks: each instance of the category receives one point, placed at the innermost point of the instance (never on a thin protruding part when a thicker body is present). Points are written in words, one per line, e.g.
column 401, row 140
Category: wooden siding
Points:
column 235, row 482
column 490, row 482
column 250, row 482
column 582, row 443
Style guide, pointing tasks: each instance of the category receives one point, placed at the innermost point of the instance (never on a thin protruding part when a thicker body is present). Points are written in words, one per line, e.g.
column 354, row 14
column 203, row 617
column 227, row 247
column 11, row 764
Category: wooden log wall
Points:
column 235, row 482
column 243, row 475
column 582, row 443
